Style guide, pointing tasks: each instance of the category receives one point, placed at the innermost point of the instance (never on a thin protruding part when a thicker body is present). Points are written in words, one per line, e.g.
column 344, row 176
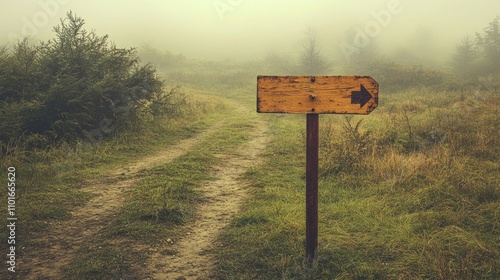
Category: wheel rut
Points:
column 224, row 197
column 57, row 248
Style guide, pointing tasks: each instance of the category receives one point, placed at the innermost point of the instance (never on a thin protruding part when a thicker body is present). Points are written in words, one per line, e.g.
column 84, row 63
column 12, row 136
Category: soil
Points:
column 223, row 198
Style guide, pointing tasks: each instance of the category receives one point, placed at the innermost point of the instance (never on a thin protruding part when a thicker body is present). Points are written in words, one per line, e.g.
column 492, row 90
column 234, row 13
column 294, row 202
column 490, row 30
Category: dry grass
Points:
column 409, row 192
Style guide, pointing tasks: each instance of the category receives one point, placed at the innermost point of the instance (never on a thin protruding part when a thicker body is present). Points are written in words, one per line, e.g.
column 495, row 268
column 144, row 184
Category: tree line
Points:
column 474, row 58
column 478, row 55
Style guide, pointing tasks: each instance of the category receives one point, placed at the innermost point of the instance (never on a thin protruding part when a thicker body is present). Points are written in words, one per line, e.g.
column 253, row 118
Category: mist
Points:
column 246, row 30
column 163, row 139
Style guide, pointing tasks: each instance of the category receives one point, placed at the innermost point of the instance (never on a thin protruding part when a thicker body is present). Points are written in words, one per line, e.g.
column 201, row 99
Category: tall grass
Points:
column 409, row 192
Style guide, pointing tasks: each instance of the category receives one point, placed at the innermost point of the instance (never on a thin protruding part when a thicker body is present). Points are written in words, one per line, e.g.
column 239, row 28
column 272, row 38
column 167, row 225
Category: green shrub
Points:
column 74, row 85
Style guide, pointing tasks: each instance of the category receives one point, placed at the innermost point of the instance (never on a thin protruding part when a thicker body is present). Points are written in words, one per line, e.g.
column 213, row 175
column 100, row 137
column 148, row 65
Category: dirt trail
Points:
column 57, row 248
column 224, row 196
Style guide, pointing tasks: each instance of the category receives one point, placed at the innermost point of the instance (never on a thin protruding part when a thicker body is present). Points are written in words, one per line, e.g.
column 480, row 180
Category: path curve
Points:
column 224, row 197
column 58, row 247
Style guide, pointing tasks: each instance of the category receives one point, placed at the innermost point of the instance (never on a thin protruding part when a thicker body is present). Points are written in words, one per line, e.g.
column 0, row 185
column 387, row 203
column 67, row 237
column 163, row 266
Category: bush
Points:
column 397, row 77
column 74, row 83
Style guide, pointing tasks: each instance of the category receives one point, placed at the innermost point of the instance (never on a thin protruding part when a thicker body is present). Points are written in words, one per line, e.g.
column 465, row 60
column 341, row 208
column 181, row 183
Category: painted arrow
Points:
column 361, row 97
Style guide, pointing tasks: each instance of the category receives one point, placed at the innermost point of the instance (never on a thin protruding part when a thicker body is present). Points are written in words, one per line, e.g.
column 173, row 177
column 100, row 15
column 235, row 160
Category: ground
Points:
column 192, row 260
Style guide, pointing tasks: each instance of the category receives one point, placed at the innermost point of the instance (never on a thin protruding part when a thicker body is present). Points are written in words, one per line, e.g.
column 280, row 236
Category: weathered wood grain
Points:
column 315, row 94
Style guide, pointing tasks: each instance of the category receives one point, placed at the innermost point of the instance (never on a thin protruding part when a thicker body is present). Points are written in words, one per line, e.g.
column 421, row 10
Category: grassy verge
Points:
column 411, row 192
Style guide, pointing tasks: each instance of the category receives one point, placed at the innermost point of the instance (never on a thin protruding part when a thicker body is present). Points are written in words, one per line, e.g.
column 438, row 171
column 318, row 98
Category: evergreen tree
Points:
column 74, row 83
column 87, row 79
column 311, row 60
column 464, row 60
column 489, row 43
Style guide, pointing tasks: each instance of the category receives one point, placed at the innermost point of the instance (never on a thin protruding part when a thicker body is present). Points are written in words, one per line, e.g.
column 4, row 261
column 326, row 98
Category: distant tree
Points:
column 489, row 43
column 311, row 60
column 464, row 60
column 163, row 60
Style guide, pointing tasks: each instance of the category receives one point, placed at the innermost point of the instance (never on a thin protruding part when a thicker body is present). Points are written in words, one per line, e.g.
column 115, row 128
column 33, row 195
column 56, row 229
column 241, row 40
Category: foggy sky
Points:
column 248, row 29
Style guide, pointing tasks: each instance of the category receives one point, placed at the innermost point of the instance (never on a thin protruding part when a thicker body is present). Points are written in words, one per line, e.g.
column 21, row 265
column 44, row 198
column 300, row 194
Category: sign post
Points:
column 314, row 95
column 312, row 148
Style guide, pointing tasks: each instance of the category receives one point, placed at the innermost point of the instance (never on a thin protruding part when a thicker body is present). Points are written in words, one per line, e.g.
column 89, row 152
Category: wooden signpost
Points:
column 314, row 95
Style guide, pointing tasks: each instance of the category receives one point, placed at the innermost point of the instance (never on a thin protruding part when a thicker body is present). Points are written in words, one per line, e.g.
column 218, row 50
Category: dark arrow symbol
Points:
column 361, row 97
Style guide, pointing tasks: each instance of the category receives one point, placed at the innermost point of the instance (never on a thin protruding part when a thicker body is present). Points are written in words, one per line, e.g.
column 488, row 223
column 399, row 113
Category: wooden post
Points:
column 314, row 95
column 312, row 147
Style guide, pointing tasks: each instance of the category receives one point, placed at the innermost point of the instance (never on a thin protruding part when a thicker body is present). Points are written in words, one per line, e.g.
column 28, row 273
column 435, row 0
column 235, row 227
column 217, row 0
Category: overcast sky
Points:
column 251, row 28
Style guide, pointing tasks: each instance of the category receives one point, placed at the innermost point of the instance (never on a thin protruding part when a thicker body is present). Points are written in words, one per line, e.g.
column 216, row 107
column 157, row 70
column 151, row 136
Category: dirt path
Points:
column 224, row 198
column 56, row 249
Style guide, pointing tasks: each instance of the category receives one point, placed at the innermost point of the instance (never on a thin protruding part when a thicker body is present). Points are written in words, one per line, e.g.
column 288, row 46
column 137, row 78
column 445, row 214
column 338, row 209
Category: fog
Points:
column 244, row 29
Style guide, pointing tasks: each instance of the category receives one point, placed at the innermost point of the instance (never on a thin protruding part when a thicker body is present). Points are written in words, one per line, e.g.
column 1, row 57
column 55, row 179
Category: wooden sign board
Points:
column 317, row 94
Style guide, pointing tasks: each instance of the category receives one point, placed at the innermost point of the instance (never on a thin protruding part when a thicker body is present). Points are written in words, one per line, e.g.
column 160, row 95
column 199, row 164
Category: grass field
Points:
column 408, row 192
